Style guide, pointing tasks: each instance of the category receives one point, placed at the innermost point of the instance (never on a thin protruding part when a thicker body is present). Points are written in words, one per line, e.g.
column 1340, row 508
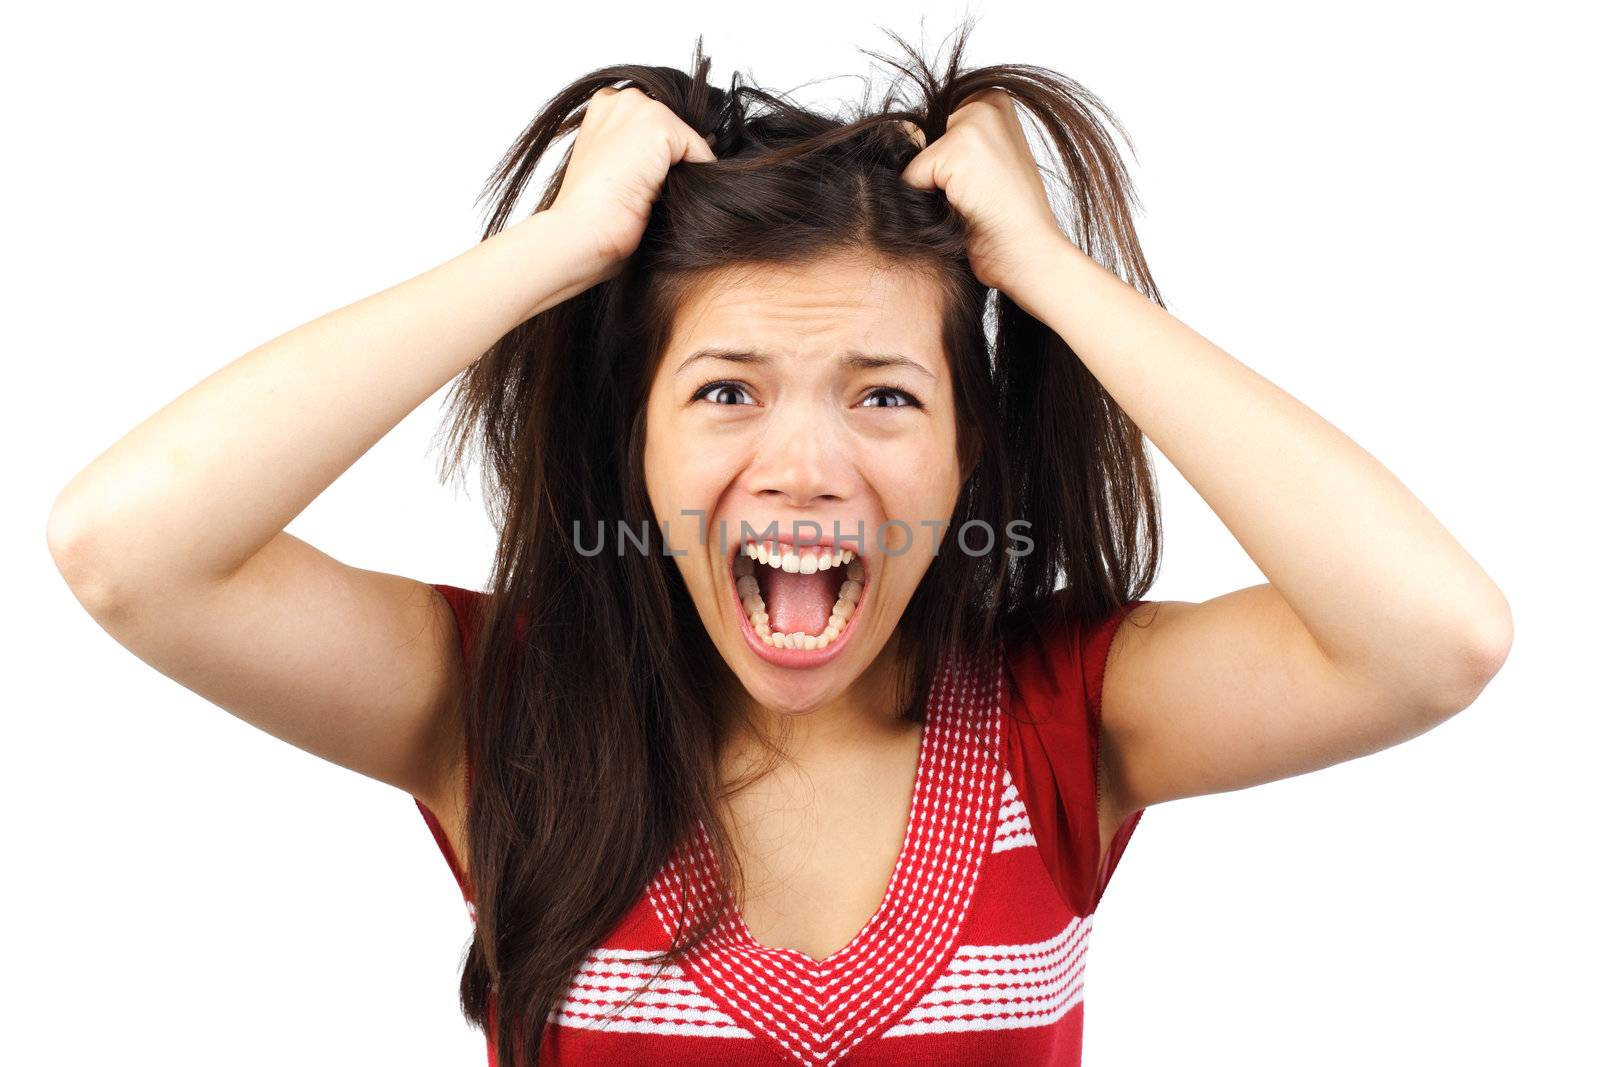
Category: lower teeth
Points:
column 755, row 608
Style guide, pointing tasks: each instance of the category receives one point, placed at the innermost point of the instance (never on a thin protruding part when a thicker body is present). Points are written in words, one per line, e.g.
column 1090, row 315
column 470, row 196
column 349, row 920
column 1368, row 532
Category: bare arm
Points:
column 1374, row 625
column 173, row 537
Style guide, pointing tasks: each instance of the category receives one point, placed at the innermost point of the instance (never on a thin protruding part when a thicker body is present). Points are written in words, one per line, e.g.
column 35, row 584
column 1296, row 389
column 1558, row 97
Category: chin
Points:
column 789, row 696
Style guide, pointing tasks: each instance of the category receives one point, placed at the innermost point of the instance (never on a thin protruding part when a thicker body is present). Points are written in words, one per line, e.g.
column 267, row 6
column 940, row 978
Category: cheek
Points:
column 666, row 468
column 687, row 477
column 920, row 489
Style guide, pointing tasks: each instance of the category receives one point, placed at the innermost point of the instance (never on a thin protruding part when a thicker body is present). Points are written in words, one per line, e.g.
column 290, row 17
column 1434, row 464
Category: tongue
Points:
column 799, row 603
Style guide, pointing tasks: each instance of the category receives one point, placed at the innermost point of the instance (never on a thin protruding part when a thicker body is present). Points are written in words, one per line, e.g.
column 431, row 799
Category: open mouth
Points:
column 798, row 598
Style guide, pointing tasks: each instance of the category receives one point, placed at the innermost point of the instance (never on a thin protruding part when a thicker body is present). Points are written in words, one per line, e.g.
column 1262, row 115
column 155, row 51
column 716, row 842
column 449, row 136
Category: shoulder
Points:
column 1057, row 654
column 467, row 607
column 1057, row 658
column 475, row 612
column 445, row 806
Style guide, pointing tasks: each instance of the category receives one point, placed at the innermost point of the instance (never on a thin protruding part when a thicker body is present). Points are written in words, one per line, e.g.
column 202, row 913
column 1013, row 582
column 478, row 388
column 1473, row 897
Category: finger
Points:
column 919, row 172
column 915, row 133
column 698, row 149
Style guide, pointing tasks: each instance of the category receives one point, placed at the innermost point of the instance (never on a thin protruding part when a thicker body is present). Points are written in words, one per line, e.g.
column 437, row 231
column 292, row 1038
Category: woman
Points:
column 814, row 697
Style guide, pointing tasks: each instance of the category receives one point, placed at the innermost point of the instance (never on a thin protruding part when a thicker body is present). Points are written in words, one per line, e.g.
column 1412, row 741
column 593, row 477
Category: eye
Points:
column 905, row 399
column 720, row 389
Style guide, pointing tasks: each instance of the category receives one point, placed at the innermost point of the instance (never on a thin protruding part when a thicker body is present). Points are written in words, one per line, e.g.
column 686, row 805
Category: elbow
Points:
column 71, row 538
column 1480, row 651
column 64, row 535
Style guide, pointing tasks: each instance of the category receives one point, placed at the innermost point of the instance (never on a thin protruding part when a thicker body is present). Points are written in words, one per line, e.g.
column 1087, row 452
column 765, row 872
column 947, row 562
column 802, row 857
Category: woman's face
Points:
column 771, row 411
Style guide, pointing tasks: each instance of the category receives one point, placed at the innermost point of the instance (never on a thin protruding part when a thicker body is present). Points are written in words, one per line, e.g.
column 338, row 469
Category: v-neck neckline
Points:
column 815, row 1011
column 749, row 940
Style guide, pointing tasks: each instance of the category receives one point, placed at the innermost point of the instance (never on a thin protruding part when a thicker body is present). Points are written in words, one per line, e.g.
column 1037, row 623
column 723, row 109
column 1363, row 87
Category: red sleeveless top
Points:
column 976, row 953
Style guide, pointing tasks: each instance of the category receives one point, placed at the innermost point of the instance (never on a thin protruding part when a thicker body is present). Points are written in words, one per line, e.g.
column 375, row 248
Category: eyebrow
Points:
column 849, row 358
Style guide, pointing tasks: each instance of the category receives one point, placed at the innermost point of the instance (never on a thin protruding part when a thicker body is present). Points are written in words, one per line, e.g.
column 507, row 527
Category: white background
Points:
column 1387, row 209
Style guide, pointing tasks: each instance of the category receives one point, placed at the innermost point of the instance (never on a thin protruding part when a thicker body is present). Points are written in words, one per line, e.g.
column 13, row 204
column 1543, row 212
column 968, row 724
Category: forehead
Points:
column 815, row 310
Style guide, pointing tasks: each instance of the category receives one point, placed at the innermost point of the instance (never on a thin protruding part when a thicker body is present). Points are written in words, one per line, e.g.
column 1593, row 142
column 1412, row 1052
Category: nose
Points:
column 798, row 464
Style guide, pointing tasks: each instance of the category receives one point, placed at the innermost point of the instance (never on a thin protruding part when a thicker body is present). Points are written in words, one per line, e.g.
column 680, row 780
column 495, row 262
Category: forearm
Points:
column 195, row 490
column 1379, row 583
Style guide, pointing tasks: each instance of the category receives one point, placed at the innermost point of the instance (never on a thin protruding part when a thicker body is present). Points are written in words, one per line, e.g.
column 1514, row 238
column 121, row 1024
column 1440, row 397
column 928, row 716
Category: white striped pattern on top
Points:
column 984, row 987
column 1014, row 830
column 1003, row 987
column 669, row 1004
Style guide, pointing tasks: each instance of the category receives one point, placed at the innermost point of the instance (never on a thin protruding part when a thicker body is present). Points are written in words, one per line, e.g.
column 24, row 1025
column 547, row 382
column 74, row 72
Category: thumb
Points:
column 698, row 149
column 919, row 172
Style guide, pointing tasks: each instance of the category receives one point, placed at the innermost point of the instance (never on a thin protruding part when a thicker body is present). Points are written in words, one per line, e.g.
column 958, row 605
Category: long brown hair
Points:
column 590, row 733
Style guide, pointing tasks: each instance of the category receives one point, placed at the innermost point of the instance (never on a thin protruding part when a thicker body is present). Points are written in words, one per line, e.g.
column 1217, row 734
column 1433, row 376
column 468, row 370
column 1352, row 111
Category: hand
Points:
column 988, row 173
column 624, row 148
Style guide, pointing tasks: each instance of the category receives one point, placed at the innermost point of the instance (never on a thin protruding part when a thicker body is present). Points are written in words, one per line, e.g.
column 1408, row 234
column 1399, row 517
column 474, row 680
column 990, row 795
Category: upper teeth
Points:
column 808, row 559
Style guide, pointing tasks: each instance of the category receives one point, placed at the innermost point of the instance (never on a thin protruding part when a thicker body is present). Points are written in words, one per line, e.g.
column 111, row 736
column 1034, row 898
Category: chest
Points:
column 817, row 848
column 961, row 952
column 958, row 969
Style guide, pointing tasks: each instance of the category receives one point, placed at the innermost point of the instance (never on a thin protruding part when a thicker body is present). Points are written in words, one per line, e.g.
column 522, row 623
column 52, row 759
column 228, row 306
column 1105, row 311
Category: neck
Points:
column 864, row 714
